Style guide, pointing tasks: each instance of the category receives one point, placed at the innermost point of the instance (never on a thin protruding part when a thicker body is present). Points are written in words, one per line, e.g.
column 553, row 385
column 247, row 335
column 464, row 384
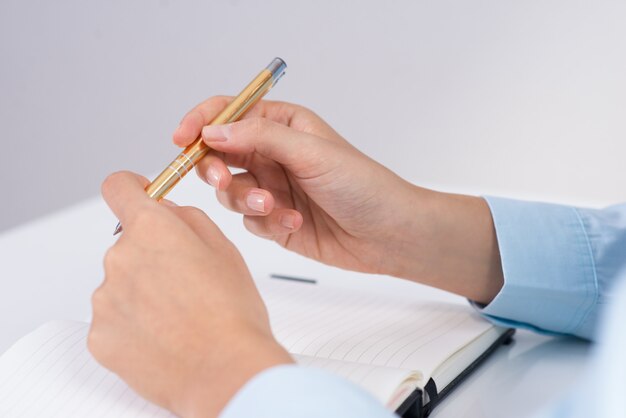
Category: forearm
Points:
column 446, row 241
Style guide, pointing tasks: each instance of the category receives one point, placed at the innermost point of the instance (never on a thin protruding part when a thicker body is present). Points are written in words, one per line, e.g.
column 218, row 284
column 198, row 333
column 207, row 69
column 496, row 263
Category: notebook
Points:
column 405, row 351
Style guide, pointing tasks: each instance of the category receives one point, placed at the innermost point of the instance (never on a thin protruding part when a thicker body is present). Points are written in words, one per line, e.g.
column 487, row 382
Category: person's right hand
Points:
column 301, row 176
column 308, row 189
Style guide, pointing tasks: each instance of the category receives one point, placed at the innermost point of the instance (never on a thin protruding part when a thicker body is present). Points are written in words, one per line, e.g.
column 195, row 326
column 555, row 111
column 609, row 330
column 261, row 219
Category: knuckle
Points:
column 234, row 200
column 291, row 110
column 220, row 99
column 224, row 198
column 273, row 226
column 198, row 217
column 145, row 217
column 307, row 113
column 99, row 300
column 111, row 257
column 259, row 126
column 297, row 108
column 191, row 211
column 251, row 127
column 93, row 341
column 96, row 344
column 252, row 224
column 194, row 115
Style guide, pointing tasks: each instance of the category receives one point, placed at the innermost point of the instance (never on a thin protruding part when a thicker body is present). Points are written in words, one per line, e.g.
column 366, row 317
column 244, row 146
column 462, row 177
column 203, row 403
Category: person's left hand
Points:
column 178, row 316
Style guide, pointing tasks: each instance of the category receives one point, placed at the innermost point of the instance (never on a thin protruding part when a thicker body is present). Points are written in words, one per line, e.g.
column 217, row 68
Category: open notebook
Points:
column 404, row 351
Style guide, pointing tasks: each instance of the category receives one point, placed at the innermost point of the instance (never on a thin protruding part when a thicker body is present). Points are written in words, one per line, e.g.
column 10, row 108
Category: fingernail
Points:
column 216, row 133
column 288, row 221
column 213, row 176
column 256, row 201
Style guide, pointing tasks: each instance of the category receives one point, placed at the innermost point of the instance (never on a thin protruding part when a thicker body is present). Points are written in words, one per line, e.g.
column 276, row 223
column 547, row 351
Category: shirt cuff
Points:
column 549, row 275
column 301, row 392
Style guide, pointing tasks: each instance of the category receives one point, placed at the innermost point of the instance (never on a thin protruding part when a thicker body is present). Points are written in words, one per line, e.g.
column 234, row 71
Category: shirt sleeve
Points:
column 559, row 264
column 600, row 393
column 301, row 392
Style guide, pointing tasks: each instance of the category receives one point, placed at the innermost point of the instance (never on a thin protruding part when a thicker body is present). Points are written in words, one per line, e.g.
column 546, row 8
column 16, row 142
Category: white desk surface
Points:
column 50, row 267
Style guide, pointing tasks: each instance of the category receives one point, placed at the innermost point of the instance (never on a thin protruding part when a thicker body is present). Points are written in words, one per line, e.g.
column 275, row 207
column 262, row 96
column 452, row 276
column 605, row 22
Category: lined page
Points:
column 387, row 344
column 397, row 331
column 51, row 373
column 390, row 386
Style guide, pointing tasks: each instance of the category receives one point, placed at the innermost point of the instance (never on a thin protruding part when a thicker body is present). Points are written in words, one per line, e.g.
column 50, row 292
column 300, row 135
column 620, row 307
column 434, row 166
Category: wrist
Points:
column 447, row 241
column 210, row 388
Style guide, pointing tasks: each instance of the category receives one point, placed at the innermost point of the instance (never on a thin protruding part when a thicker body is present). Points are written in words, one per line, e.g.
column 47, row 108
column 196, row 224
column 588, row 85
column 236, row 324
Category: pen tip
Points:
column 118, row 229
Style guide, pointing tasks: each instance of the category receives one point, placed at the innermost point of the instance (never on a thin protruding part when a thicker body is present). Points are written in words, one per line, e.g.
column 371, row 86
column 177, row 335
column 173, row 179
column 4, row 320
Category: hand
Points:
column 178, row 316
column 301, row 176
column 308, row 189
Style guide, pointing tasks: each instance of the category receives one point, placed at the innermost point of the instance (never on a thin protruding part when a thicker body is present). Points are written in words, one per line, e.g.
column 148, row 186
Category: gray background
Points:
column 523, row 99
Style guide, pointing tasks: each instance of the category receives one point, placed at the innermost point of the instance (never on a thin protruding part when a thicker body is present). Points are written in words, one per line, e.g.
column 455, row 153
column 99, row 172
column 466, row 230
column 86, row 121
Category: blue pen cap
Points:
column 277, row 67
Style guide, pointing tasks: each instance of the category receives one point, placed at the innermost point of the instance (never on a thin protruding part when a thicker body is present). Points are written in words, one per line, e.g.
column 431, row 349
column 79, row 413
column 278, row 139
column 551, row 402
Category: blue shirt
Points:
column 561, row 266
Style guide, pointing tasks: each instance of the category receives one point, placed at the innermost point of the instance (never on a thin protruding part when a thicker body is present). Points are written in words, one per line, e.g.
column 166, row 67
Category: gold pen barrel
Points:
column 177, row 169
column 191, row 155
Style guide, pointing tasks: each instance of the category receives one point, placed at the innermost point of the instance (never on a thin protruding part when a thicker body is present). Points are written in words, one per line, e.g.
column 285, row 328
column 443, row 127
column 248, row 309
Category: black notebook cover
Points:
column 413, row 406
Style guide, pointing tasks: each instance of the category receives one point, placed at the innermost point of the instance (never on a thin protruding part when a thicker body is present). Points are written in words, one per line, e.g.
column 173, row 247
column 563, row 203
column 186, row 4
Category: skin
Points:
column 178, row 324
column 162, row 319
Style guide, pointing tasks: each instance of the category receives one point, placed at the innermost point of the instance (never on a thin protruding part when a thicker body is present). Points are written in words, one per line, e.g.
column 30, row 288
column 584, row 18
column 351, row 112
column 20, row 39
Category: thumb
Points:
column 125, row 194
column 287, row 146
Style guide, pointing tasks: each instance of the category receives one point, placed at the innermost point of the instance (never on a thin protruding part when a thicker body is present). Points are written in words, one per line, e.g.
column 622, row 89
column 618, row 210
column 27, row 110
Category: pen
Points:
column 194, row 152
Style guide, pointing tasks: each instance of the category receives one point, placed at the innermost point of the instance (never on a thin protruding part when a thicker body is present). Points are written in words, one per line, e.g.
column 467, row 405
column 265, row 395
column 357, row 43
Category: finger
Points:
column 213, row 171
column 292, row 115
column 271, row 171
column 244, row 196
column 279, row 112
column 201, row 115
column 205, row 112
column 169, row 203
column 230, row 160
column 125, row 194
column 278, row 223
column 288, row 114
column 200, row 223
column 272, row 140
